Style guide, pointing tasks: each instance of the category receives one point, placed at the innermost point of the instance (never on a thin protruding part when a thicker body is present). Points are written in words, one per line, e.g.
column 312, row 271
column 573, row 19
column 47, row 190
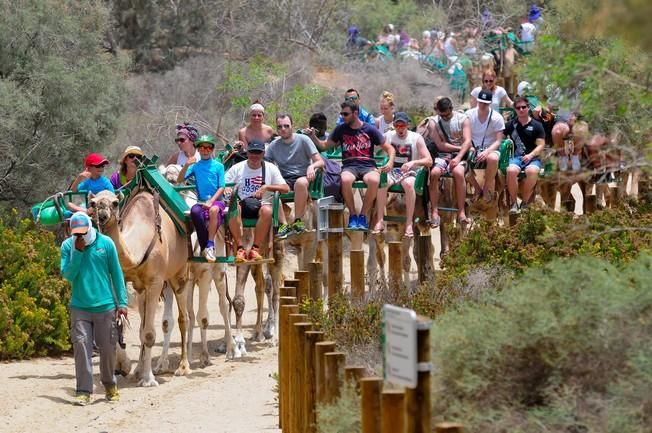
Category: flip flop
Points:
column 434, row 223
column 408, row 235
column 376, row 231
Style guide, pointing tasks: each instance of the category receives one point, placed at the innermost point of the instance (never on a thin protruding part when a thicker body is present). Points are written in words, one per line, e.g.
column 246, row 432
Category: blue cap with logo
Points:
column 80, row 223
column 255, row 145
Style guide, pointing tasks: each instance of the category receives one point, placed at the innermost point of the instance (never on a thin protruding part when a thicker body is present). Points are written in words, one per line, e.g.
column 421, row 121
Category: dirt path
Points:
column 225, row 397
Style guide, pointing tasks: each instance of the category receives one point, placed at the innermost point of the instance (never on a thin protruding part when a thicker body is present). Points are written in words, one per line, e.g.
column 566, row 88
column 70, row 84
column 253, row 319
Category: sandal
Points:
column 409, row 235
column 434, row 223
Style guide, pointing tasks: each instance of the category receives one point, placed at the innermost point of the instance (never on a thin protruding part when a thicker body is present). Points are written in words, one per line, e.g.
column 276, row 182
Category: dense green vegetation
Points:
column 34, row 319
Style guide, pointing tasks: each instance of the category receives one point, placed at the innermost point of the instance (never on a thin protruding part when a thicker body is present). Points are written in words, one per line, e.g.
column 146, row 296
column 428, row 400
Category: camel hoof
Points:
column 162, row 367
column 183, row 370
column 240, row 349
column 269, row 330
column 204, row 360
column 148, row 383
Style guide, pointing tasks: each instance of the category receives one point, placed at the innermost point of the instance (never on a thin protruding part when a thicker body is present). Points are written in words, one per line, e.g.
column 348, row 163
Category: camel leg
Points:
column 220, row 283
column 273, row 283
column 180, row 293
column 242, row 272
column 407, row 260
column 141, row 312
column 148, row 333
column 204, row 287
column 190, row 294
column 167, row 325
column 259, row 278
column 376, row 263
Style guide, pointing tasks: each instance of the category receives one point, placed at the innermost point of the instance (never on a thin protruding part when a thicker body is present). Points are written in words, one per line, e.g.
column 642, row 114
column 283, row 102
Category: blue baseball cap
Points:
column 80, row 223
column 255, row 145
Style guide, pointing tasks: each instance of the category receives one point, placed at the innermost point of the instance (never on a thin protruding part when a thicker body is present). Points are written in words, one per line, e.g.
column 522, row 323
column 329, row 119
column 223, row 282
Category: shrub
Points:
column 34, row 317
column 617, row 235
column 564, row 348
column 343, row 415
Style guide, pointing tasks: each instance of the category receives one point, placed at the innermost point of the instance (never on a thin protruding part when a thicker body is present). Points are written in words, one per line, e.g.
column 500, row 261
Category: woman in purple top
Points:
column 128, row 167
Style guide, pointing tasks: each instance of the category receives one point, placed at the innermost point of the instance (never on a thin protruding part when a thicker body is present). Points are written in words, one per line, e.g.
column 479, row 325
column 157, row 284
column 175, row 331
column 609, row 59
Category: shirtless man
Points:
column 255, row 129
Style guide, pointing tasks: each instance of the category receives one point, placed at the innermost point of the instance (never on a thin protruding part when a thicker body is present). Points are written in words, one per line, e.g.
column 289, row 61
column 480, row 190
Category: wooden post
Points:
column 353, row 373
column 449, row 427
column 288, row 291
column 286, row 307
column 291, row 282
column 303, row 288
column 298, row 373
column 370, row 388
column 392, row 408
column 357, row 273
column 395, row 269
column 321, row 349
column 418, row 399
column 316, row 280
column 292, row 380
column 311, row 339
column 333, row 375
column 335, row 249
column 425, row 253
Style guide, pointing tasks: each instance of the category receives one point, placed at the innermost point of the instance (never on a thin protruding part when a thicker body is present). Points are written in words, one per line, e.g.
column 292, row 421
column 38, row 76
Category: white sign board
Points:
column 400, row 346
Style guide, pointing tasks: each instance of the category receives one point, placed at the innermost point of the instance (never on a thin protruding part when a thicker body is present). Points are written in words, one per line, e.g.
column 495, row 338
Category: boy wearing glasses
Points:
column 528, row 137
column 91, row 179
column 256, row 182
column 358, row 141
column 297, row 158
column 209, row 183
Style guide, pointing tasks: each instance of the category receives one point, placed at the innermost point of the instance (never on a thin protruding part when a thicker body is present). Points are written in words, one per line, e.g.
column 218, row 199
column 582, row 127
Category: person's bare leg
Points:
column 410, row 201
column 263, row 225
column 490, row 174
column 381, row 204
column 530, row 181
column 433, row 190
column 372, row 179
column 300, row 197
column 460, row 190
column 347, row 191
column 512, row 183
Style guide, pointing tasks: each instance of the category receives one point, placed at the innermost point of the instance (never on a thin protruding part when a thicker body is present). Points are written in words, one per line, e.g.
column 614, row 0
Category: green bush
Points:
column 566, row 347
column 617, row 235
column 34, row 319
column 343, row 415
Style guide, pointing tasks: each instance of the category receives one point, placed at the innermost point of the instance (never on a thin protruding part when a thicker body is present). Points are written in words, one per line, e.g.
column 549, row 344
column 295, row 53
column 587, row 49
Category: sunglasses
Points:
column 488, row 81
column 132, row 156
column 181, row 140
column 205, row 148
column 350, row 98
column 400, row 126
column 99, row 165
column 522, row 107
column 345, row 113
column 283, row 126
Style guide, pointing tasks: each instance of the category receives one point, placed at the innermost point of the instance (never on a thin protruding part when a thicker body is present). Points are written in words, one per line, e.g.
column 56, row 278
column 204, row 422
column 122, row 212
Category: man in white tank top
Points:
column 452, row 138
column 411, row 153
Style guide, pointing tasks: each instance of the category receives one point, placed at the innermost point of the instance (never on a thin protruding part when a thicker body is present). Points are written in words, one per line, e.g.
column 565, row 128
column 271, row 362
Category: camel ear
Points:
column 161, row 169
column 91, row 195
column 120, row 196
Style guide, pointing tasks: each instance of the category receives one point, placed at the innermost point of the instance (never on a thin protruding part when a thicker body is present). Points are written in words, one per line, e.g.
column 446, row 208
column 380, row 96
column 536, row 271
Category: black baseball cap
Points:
column 485, row 97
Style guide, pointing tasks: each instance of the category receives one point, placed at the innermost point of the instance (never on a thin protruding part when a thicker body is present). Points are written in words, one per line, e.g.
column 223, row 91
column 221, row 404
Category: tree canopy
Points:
column 61, row 94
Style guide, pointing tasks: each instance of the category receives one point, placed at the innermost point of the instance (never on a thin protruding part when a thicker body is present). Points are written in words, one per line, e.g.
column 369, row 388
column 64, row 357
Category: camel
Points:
column 149, row 256
column 202, row 274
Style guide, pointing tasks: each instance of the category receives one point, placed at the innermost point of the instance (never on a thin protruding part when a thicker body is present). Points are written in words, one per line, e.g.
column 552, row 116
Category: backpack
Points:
column 332, row 179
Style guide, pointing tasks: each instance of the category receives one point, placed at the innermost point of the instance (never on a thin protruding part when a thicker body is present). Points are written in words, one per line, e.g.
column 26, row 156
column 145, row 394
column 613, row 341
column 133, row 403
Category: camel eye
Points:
column 92, row 204
column 115, row 203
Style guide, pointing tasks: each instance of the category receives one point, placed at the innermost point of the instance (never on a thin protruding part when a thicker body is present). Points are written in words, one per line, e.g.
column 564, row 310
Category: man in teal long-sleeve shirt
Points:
column 89, row 260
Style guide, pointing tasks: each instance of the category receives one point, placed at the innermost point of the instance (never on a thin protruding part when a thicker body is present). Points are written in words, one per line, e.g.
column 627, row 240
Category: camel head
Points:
column 105, row 206
column 170, row 172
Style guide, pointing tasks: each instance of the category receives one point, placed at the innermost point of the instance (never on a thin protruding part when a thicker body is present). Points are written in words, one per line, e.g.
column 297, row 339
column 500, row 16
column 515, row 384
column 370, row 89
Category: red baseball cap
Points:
column 96, row 159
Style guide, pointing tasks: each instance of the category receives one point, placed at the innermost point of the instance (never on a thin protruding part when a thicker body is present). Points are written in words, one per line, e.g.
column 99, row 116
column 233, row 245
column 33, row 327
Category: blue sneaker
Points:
column 353, row 222
column 362, row 223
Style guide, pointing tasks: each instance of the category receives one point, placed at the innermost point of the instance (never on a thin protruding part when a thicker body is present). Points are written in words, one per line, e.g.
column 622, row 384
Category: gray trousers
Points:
column 101, row 328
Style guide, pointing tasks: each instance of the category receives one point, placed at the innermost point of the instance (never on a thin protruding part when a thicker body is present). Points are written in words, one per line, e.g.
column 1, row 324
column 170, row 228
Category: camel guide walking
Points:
column 89, row 260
